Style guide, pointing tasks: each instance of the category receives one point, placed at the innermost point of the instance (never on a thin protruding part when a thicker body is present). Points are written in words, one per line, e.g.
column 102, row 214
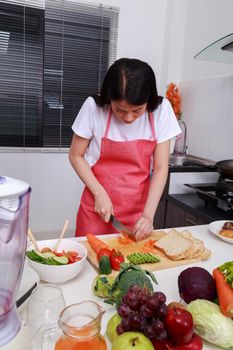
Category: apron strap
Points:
column 108, row 123
column 151, row 119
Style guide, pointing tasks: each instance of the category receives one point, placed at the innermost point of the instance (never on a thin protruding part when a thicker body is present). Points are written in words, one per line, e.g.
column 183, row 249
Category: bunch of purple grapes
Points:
column 143, row 311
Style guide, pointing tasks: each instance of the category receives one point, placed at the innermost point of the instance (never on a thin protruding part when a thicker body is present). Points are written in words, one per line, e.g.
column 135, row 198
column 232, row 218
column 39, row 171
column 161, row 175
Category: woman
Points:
column 118, row 135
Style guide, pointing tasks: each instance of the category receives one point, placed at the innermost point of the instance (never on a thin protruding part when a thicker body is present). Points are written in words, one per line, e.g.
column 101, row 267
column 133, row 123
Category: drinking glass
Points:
column 44, row 307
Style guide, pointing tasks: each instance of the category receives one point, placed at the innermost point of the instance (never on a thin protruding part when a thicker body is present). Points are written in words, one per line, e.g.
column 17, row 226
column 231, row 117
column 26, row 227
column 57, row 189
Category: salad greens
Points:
column 47, row 258
column 53, row 258
column 227, row 270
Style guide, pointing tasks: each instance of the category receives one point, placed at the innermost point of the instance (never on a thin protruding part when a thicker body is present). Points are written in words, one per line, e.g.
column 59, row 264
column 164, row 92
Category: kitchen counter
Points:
column 79, row 289
column 191, row 203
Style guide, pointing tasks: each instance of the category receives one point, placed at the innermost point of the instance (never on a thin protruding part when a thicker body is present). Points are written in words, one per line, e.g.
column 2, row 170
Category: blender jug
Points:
column 14, row 206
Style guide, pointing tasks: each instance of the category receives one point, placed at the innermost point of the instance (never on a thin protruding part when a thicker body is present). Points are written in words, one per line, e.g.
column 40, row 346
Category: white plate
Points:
column 216, row 226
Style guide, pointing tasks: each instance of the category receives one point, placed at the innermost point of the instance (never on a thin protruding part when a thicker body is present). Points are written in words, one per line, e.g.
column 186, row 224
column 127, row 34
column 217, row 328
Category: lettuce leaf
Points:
column 211, row 324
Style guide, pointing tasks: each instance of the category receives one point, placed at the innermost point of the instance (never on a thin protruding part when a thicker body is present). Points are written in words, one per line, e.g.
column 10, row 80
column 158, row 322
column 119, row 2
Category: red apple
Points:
column 194, row 344
column 162, row 344
column 179, row 326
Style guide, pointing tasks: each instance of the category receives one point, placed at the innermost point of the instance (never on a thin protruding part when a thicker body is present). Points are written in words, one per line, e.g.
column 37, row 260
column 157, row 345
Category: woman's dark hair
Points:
column 131, row 80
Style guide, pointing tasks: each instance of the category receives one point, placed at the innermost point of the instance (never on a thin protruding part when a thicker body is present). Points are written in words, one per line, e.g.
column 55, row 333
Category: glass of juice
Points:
column 78, row 329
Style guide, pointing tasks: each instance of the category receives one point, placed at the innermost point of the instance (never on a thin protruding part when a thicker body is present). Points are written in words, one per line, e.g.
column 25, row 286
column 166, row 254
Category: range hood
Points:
column 219, row 51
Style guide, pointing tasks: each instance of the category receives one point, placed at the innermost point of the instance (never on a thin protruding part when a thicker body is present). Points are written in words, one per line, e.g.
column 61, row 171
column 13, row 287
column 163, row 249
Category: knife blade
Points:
column 120, row 227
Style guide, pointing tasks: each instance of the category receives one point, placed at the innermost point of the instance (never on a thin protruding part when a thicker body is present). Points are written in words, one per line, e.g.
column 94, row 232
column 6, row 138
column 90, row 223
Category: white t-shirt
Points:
column 91, row 121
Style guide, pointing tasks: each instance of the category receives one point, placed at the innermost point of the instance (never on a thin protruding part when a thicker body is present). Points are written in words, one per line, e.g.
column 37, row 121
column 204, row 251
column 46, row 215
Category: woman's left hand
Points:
column 143, row 228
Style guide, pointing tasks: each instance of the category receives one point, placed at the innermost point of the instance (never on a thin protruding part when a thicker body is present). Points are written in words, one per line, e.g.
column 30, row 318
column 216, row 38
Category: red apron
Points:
column 123, row 169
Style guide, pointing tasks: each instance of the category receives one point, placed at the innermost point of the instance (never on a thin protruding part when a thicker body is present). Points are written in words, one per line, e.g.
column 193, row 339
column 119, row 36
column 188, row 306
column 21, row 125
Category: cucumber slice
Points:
column 31, row 255
column 35, row 256
column 48, row 255
column 60, row 260
column 47, row 258
column 38, row 255
column 51, row 261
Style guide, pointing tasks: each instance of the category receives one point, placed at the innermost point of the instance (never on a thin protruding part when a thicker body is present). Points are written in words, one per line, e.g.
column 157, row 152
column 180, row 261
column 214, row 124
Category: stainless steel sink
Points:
column 188, row 160
column 178, row 159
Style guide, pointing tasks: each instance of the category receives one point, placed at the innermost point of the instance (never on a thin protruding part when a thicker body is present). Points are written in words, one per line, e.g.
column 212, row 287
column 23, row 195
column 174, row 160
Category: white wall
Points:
column 206, row 87
column 56, row 190
column 141, row 30
column 208, row 112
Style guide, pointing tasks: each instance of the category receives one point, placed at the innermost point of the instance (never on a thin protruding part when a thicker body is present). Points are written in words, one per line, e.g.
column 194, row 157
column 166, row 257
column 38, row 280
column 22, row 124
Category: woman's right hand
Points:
column 103, row 205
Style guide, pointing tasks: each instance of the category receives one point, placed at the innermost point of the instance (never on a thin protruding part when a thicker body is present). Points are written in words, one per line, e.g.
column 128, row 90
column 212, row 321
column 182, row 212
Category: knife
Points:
column 120, row 227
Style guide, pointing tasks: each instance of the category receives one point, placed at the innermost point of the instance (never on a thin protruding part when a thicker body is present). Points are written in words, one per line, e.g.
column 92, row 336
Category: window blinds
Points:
column 80, row 43
column 27, row 3
column 58, row 67
column 21, row 74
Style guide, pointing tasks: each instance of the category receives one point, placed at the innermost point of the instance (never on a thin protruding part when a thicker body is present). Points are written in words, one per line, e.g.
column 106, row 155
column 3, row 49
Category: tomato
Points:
column 77, row 258
column 73, row 259
column 116, row 259
column 103, row 252
column 72, row 253
column 58, row 254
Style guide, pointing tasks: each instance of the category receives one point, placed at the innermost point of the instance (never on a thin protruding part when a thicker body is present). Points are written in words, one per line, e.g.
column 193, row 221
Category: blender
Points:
column 14, row 207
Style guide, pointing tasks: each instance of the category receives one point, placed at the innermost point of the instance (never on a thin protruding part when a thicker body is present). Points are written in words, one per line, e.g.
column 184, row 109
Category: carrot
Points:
column 147, row 249
column 124, row 240
column 96, row 243
column 150, row 243
column 225, row 293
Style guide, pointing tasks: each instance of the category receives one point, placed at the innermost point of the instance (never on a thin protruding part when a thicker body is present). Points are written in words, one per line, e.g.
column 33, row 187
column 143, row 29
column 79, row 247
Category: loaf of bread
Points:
column 182, row 245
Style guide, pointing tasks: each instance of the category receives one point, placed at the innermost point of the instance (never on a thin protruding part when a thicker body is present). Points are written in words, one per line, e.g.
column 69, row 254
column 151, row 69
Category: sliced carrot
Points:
column 147, row 249
column 225, row 293
column 96, row 243
column 124, row 240
column 150, row 243
column 148, row 246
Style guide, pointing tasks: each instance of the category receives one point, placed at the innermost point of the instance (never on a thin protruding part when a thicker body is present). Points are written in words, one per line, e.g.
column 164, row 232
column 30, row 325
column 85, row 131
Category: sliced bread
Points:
column 174, row 245
column 198, row 245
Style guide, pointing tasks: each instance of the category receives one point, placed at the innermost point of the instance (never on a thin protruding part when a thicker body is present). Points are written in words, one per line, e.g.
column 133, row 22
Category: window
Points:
column 51, row 60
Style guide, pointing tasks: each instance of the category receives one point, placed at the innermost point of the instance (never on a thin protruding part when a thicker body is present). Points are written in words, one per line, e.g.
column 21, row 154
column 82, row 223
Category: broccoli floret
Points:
column 130, row 275
column 130, row 278
column 113, row 289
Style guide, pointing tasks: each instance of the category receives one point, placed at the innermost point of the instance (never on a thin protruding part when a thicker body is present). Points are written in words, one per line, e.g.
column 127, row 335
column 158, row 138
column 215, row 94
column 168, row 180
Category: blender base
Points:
column 21, row 341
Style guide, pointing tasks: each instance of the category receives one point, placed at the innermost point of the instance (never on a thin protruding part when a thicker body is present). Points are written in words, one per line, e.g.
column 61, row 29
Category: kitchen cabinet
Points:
column 181, row 207
column 192, row 210
column 160, row 216
column 176, row 216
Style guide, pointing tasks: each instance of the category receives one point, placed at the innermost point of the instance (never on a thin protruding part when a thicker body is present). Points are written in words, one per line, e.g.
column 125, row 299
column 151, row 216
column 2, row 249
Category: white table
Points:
column 79, row 289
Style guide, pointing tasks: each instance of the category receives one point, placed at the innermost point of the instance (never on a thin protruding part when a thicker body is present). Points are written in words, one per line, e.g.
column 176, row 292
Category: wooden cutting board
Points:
column 164, row 262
